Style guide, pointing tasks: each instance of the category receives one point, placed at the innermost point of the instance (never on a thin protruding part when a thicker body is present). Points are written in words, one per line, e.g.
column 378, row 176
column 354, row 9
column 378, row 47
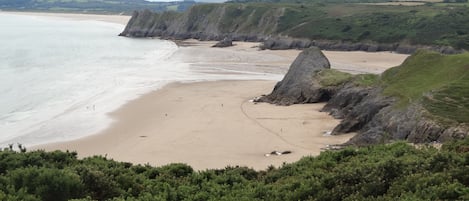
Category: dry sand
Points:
column 210, row 125
column 247, row 56
column 213, row 124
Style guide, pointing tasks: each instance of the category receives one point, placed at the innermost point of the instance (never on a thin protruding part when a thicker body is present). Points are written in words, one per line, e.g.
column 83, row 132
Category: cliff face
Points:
column 299, row 85
column 376, row 119
column 375, row 113
column 282, row 43
column 277, row 26
column 208, row 22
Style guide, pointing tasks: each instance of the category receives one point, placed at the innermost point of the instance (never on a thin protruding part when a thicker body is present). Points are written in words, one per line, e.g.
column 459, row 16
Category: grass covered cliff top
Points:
column 425, row 24
column 434, row 24
column 439, row 82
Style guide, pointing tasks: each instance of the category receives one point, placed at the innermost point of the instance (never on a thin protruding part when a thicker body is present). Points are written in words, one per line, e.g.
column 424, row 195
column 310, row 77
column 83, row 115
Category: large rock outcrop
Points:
column 206, row 22
column 299, row 85
column 364, row 108
column 226, row 42
column 376, row 119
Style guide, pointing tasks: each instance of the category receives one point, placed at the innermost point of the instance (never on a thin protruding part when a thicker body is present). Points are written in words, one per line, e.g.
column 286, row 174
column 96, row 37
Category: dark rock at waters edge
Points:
column 298, row 85
column 294, row 43
column 226, row 42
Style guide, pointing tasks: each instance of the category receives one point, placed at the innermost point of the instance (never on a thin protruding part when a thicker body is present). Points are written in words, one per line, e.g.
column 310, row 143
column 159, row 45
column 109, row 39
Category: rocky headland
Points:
column 392, row 106
column 243, row 23
column 368, row 105
column 299, row 84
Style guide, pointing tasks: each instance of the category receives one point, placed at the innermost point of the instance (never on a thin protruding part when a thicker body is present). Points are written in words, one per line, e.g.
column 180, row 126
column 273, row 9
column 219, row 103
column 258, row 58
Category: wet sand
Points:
column 210, row 125
column 213, row 124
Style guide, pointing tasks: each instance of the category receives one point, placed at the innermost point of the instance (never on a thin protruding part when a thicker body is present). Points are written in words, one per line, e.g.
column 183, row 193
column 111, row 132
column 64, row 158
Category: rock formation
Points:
column 226, row 42
column 283, row 43
column 209, row 22
column 299, row 85
column 364, row 109
column 215, row 22
column 376, row 119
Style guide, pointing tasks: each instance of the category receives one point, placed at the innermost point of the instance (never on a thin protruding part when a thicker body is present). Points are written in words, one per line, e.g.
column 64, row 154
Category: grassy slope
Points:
column 331, row 77
column 440, row 82
column 428, row 24
column 352, row 22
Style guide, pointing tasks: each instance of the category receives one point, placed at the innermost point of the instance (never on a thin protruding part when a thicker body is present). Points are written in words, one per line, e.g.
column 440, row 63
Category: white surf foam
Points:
column 60, row 78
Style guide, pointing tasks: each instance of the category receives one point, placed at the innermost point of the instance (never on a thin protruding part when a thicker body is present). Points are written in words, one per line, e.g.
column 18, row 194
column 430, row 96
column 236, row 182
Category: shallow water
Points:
column 59, row 78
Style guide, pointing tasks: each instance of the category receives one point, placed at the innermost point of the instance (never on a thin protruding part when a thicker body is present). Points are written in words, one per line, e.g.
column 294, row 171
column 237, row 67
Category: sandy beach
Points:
column 118, row 19
column 210, row 125
column 213, row 124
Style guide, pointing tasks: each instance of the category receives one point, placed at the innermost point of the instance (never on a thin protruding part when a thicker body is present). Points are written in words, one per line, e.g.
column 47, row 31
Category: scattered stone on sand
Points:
column 277, row 153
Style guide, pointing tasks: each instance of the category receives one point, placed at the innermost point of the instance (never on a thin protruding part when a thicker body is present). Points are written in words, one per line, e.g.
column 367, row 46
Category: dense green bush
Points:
column 381, row 172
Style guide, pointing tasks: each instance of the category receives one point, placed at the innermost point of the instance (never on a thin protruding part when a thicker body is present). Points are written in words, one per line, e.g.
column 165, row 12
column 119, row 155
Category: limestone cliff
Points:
column 277, row 26
column 410, row 102
column 299, row 85
column 282, row 43
column 208, row 22
column 376, row 119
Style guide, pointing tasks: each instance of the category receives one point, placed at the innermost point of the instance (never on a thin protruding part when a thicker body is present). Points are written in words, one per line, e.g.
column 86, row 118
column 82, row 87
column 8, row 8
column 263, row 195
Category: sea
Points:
column 60, row 78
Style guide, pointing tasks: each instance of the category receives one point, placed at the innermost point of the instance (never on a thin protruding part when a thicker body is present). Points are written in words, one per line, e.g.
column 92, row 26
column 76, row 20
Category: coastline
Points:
column 117, row 19
column 203, row 142
column 209, row 125
column 203, row 123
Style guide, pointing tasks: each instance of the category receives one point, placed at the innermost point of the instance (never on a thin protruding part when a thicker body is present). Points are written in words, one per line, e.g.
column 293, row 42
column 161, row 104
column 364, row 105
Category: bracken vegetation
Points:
column 381, row 172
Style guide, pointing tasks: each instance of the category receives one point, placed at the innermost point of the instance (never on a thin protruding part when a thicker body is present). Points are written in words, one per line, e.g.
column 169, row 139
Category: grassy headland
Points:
column 425, row 99
column 427, row 24
column 439, row 82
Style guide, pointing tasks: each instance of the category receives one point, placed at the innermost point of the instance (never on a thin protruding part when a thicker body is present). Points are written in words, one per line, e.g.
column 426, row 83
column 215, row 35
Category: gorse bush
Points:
column 380, row 172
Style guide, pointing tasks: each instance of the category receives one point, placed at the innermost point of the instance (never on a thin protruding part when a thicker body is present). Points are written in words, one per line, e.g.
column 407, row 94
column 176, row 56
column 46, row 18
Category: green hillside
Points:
column 439, row 82
column 430, row 25
column 427, row 24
